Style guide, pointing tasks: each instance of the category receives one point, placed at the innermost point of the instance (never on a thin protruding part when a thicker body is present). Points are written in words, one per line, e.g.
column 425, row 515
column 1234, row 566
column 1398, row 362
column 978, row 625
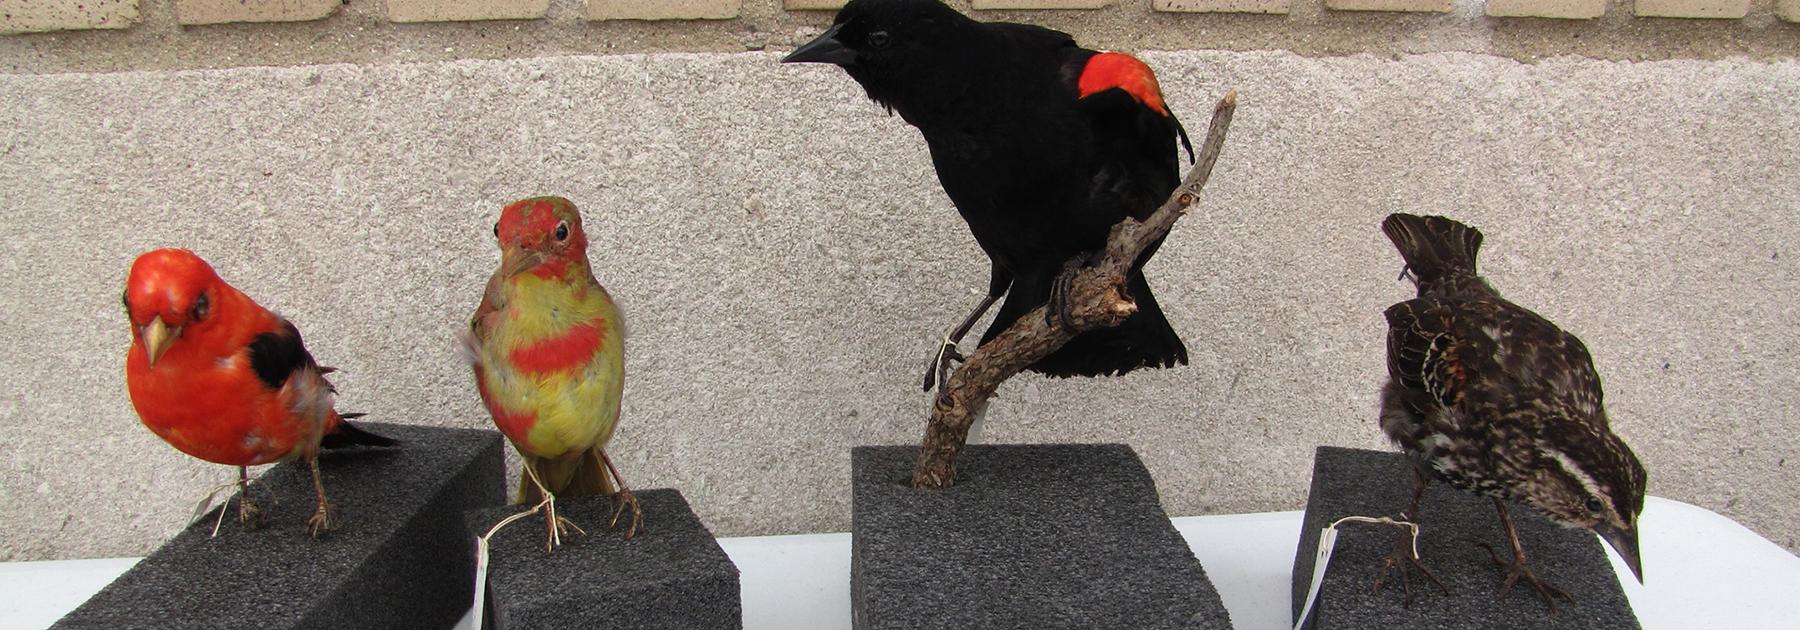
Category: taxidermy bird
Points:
column 1497, row 400
column 548, row 350
column 1042, row 146
column 224, row 380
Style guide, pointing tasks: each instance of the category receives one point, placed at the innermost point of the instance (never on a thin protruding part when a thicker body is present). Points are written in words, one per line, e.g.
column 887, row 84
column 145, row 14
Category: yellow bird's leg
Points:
column 554, row 525
column 622, row 498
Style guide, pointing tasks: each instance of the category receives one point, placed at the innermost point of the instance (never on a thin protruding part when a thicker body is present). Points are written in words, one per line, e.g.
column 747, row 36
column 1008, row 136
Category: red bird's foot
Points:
column 249, row 516
column 621, row 500
column 937, row 373
column 1517, row 569
column 1402, row 561
column 320, row 522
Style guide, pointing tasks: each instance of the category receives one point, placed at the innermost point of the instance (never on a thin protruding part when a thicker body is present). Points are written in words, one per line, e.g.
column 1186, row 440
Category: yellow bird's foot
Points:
column 555, row 526
column 621, row 500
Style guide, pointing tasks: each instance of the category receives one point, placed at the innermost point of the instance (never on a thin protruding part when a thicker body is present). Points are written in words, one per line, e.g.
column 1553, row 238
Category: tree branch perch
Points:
column 1097, row 299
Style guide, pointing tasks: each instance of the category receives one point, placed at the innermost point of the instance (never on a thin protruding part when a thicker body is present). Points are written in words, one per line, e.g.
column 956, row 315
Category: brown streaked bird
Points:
column 1496, row 400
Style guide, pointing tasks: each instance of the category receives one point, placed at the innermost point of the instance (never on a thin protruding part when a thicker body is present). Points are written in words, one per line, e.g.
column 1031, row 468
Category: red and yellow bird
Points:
column 223, row 379
column 548, row 348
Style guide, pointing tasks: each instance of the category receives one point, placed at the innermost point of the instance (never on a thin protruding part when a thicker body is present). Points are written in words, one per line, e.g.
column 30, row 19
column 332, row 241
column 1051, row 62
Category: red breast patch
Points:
column 571, row 351
column 1106, row 71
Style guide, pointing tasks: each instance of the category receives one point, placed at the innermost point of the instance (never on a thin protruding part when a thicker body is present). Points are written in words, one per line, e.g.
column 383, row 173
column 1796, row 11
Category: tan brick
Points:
column 813, row 5
column 222, row 11
column 1563, row 9
column 1724, row 9
column 662, row 9
column 1788, row 10
column 1039, row 4
column 1440, row 6
column 465, row 10
column 33, row 16
column 1222, row 6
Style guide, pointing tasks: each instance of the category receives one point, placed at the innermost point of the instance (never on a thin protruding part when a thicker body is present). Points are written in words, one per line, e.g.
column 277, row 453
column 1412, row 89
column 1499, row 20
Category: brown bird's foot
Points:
column 1517, row 570
column 249, row 516
column 1058, row 309
column 320, row 522
column 1402, row 561
column 625, row 499
column 937, row 373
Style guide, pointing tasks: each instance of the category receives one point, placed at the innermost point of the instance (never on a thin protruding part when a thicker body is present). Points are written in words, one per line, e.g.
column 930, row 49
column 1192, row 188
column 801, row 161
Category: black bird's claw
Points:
column 937, row 372
column 1058, row 309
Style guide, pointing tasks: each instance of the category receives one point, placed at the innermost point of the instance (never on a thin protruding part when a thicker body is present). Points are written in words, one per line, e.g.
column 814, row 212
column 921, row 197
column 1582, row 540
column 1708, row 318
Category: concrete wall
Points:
column 786, row 260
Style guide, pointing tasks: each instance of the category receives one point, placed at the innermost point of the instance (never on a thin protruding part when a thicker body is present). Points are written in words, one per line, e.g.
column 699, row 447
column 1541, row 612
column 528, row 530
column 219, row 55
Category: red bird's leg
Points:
column 554, row 526
column 321, row 518
column 1402, row 560
column 1517, row 568
column 622, row 498
column 938, row 371
column 250, row 516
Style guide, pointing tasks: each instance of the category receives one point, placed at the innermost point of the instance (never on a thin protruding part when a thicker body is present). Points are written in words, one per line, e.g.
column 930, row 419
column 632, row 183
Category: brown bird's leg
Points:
column 622, row 498
column 1517, row 569
column 554, row 525
column 1401, row 560
column 938, row 371
column 321, row 518
column 249, row 516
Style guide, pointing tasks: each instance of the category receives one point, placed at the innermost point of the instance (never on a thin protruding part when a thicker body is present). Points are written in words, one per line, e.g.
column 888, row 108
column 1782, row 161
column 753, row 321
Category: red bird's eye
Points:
column 496, row 229
column 201, row 307
column 562, row 230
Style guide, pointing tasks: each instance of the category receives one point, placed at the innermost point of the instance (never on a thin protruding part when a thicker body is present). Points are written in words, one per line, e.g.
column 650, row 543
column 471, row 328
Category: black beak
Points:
column 823, row 49
column 1625, row 542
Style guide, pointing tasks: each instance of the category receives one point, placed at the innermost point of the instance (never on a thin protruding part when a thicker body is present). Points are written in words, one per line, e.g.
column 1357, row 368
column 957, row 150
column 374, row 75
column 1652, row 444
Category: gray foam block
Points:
column 1052, row 536
column 1375, row 483
column 673, row 574
column 397, row 557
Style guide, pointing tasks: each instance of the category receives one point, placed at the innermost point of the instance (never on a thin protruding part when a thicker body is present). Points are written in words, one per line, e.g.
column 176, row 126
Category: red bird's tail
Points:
column 345, row 435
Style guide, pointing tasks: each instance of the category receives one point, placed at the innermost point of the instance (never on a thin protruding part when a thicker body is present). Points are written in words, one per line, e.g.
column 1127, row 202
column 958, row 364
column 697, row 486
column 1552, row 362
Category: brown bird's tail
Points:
column 574, row 475
column 1437, row 250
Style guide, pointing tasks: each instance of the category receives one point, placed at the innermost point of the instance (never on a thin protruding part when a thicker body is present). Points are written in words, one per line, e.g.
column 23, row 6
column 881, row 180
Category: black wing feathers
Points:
column 277, row 355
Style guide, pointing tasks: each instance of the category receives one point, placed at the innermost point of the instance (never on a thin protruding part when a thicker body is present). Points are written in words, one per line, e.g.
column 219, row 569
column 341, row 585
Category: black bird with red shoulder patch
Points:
column 1042, row 145
column 1496, row 400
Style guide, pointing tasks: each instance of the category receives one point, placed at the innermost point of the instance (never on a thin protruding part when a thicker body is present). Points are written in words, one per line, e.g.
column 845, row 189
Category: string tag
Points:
column 477, row 608
column 1328, row 541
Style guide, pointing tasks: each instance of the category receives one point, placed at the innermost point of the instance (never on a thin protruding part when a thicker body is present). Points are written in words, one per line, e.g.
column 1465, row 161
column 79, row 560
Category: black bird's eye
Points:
column 201, row 306
column 562, row 230
column 1593, row 505
column 879, row 39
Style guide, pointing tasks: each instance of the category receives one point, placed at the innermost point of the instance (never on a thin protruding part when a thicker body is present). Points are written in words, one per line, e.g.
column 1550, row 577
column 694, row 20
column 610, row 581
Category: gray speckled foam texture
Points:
column 1054, row 536
column 1374, row 483
column 396, row 559
column 672, row 575
column 786, row 261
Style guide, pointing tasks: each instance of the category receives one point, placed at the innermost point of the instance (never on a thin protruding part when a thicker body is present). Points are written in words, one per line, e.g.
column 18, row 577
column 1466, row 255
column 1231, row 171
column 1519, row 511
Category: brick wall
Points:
column 28, row 16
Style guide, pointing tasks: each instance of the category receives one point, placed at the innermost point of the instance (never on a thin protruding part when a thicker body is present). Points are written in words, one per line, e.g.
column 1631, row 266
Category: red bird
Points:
column 223, row 379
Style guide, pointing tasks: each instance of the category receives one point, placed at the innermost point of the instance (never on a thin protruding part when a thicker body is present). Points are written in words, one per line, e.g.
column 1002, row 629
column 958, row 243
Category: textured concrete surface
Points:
column 673, row 575
column 786, row 261
column 1356, row 482
column 397, row 558
column 1031, row 536
column 359, row 32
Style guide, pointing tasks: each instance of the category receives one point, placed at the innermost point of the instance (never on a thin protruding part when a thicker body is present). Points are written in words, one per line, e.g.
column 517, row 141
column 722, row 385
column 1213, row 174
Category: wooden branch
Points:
column 1097, row 299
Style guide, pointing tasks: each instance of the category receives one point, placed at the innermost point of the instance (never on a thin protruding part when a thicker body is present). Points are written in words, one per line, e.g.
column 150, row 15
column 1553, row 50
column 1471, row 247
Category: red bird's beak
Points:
column 157, row 337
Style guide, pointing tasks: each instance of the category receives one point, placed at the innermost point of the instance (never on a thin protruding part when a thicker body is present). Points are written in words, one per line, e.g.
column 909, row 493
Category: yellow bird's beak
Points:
column 157, row 337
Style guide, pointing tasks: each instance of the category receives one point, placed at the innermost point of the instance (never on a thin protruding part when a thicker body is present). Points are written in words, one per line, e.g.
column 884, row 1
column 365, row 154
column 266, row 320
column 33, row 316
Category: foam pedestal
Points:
column 397, row 556
column 1374, row 483
column 673, row 574
column 1057, row 536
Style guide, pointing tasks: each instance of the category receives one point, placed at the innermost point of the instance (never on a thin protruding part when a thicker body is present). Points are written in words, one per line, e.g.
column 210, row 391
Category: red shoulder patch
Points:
column 1106, row 71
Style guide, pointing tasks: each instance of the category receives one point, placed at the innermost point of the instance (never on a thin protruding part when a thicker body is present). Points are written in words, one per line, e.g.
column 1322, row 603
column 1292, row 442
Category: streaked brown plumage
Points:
column 1494, row 399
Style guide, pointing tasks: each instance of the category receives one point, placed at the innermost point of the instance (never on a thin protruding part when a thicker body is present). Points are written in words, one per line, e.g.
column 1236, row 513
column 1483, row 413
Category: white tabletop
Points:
column 1705, row 570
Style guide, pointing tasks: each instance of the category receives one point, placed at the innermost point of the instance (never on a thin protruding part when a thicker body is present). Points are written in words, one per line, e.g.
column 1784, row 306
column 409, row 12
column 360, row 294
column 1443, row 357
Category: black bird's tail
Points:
column 1436, row 249
column 1144, row 340
column 347, row 435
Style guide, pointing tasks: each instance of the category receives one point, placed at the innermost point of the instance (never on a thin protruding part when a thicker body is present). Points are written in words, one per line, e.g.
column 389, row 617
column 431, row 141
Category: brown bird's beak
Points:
column 1625, row 542
column 823, row 49
column 157, row 337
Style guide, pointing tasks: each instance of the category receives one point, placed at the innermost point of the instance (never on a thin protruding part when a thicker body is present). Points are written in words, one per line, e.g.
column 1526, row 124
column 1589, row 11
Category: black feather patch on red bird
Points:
column 1042, row 146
